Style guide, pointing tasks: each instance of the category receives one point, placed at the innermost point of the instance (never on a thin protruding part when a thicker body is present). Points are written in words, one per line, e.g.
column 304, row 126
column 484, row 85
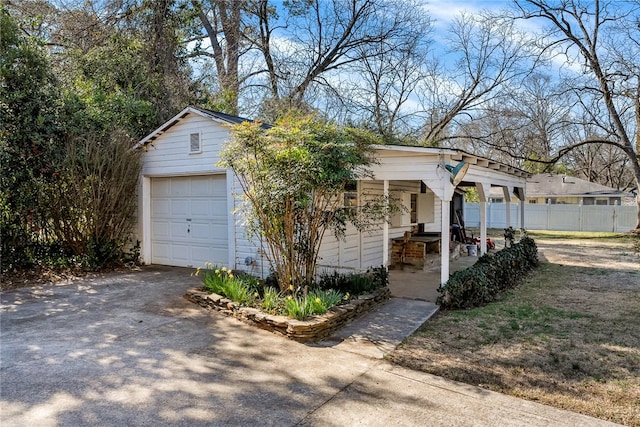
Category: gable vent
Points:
column 194, row 143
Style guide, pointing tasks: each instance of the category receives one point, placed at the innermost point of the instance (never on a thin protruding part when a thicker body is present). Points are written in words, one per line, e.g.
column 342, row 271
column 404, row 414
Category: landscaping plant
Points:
column 316, row 302
column 356, row 283
column 271, row 300
column 250, row 291
column 492, row 274
column 222, row 281
column 293, row 176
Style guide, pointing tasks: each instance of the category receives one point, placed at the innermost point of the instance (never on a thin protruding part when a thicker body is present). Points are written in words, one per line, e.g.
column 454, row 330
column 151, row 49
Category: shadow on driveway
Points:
column 127, row 349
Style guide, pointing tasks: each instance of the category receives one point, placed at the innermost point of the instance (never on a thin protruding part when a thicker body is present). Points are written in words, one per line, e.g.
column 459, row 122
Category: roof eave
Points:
column 174, row 120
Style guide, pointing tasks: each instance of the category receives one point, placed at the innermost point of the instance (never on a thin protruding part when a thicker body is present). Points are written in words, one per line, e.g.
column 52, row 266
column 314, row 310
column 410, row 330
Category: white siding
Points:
column 337, row 254
column 245, row 246
column 169, row 154
column 371, row 241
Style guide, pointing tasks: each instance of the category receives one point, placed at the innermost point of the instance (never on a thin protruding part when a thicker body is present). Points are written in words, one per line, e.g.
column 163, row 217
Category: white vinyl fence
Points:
column 556, row 217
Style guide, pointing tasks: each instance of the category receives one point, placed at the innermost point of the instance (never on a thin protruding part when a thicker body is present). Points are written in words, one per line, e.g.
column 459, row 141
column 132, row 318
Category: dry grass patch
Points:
column 568, row 337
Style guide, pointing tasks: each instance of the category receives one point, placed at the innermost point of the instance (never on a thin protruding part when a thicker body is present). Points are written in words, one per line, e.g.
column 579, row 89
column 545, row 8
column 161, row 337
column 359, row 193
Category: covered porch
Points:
column 423, row 284
column 442, row 172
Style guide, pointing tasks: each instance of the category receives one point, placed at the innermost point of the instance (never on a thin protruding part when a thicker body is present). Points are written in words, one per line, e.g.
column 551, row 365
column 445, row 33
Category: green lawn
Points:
column 568, row 337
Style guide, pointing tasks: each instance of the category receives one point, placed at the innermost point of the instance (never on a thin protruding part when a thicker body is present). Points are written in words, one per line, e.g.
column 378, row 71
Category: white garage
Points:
column 188, row 204
column 185, row 203
column 189, row 220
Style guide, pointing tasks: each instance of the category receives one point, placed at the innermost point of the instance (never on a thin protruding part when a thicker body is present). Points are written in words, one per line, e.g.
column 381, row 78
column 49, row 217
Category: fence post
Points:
column 581, row 215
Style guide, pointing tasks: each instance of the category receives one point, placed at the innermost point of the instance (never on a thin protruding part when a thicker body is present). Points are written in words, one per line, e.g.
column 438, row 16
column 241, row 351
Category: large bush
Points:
column 492, row 274
column 293, row 176
column 68, row 178
column 29, row 141
column 93, row 204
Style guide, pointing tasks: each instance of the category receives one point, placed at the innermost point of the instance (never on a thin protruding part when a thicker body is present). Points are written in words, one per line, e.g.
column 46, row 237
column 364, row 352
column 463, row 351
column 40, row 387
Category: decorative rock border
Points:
column 313, row 329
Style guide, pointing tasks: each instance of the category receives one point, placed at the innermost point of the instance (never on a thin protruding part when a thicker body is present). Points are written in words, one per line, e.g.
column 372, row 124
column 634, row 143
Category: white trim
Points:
column 385, row 226
column 166, row 125
column 412, row 149
column 173, row 121
column 483, row 228
column 188, row 173
column 146, row 220
column 231, row 218
column 484, row 189
column 448, row 154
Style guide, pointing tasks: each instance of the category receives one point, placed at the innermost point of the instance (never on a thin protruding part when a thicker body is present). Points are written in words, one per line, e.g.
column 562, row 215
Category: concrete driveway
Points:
column 128, row 350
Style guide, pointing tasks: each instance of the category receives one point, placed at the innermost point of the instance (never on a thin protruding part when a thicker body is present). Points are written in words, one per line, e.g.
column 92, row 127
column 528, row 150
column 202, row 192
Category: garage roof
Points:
column 216, row 116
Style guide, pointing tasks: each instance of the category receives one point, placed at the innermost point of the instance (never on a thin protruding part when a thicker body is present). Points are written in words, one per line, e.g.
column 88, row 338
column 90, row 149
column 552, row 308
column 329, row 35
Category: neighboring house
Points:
column 187, row 205
column 557, row 189
column 630, row 200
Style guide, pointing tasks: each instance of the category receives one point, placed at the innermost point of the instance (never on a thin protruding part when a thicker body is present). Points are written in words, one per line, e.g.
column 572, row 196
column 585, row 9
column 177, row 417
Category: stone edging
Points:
column 313, row 329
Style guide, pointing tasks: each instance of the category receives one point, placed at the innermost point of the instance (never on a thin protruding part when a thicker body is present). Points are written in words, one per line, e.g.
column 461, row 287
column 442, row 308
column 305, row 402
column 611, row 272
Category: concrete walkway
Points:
column 128, row 350
column 423, row 284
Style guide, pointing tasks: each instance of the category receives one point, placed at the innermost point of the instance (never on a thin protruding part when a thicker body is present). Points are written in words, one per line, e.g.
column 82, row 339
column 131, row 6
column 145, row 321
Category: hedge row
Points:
column 492, row 274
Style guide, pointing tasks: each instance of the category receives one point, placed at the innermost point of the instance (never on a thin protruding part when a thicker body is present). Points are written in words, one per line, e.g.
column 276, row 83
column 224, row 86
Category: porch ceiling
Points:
column 405, row 162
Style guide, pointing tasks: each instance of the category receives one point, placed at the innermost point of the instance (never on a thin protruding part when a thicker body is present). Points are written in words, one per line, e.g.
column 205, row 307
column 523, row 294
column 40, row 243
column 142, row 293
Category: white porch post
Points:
column 483, row 191
column 522, row 197
column 443, row 188
column 444, row 239
column 507, row 205
column 385, row 226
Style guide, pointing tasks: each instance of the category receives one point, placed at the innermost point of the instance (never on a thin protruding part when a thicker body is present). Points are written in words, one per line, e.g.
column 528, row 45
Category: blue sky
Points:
column 444, row 11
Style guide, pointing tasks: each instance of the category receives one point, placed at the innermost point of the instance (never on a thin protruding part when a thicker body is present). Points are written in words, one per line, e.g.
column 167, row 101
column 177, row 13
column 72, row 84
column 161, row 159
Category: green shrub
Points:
column 222, row 282
column 316, row 302
column 380, row 276
column 333, row 280
column 271, row 299
column 354, row 283
column 492, row 274
column 297, row 307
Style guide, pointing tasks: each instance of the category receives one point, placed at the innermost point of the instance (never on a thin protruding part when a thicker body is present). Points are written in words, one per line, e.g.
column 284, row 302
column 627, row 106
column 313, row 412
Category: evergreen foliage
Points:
column 484, row 281
column 293, row 177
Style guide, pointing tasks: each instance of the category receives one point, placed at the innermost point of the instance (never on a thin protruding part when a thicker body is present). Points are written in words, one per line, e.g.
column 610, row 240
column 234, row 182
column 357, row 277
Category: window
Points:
column 194, row 143
column 351, row 195
column 533, row 201
column 414, row 208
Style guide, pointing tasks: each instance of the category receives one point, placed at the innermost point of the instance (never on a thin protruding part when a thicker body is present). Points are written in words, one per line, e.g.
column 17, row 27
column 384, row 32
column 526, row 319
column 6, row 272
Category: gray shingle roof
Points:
column 543, row 185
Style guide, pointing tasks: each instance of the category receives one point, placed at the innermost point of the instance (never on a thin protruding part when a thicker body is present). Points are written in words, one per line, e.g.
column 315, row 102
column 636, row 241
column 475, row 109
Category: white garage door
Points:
column 189, row 221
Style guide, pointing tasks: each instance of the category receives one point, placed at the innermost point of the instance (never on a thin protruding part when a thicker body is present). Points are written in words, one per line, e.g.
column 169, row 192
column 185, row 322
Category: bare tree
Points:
column 319, row 38
column 222, row 23
column 492, row 56
column 605, row 164
column 386, row 79
column 527, row 127
column 603, row 39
